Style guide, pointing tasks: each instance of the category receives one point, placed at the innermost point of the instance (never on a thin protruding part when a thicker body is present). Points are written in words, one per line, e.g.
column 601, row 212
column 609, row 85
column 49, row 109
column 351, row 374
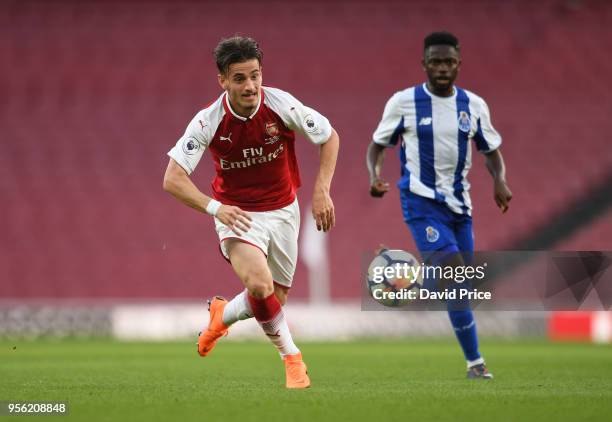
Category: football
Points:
column 391, row 278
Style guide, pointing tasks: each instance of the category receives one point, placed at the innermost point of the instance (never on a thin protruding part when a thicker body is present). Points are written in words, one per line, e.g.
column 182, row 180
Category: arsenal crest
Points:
column 272, row 129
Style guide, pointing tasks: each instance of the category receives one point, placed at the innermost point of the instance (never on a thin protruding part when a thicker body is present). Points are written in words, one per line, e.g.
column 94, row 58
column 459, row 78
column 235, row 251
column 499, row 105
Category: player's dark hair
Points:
column 236, row 49
column 440, row 38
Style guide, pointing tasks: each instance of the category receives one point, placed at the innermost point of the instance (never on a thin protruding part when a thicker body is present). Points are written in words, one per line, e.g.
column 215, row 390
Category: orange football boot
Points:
column 296, row 371
column 216, row 328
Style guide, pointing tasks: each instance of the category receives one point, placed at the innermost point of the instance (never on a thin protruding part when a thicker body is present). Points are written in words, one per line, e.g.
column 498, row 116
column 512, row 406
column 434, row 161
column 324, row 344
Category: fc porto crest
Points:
column 432, row 234
column 464, row 121
column 272, row 129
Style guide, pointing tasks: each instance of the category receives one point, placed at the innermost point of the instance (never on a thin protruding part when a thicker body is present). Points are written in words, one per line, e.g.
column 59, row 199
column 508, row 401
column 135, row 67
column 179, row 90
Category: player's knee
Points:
column 260, row 291
column 258, row 283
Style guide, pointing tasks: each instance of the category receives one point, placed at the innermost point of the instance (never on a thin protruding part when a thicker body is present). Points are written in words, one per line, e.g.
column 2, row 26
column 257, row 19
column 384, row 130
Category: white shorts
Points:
column 275, row 233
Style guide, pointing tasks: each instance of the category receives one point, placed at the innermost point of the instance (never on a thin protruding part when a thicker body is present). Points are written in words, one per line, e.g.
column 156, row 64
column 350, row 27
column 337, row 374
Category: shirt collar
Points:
column 437, row 96
column 228, row 106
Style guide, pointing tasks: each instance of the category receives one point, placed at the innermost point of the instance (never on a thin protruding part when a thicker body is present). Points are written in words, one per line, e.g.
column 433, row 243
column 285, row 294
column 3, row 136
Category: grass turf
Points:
column 373, row 381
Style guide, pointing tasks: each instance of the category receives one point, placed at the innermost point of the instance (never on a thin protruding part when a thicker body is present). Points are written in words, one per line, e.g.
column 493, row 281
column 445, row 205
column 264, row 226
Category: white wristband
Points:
column 212, row 207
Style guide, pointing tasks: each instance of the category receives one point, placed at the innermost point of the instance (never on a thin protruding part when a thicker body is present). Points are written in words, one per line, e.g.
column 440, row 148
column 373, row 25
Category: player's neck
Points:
column 242, row 111
column 446, row 92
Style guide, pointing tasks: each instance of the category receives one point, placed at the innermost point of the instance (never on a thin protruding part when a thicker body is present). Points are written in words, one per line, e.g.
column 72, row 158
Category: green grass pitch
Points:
column 356, row 381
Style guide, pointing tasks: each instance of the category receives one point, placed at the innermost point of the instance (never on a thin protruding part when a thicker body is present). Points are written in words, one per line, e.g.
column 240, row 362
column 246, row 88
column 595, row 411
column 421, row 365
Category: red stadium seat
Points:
column 96, row 94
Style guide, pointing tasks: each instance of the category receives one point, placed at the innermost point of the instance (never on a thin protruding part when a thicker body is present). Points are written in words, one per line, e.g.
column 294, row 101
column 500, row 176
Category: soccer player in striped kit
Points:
column 249, row 131
column 434, row 122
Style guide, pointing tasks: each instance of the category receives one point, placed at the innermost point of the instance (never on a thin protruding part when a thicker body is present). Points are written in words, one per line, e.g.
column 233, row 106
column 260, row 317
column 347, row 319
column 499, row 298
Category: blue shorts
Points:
column 434, row 226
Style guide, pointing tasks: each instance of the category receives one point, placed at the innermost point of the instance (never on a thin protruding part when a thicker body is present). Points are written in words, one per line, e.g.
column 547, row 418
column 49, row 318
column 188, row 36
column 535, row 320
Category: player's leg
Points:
column 443, row 239
column 463, row 320
column 239, row 308
column 282, row 261
column 281, row 293
column 459, row 312
column 224, row 313
column 251, row 266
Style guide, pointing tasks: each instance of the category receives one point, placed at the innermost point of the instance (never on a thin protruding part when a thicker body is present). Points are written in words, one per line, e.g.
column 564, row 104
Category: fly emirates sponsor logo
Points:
column 252, row 157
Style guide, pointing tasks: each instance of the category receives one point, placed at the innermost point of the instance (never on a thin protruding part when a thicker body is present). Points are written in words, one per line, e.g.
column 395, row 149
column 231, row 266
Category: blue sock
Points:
column 465, row 330
column 459, row 311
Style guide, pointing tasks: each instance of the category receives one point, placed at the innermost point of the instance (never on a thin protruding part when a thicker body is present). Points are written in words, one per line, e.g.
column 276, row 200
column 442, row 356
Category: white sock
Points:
column 237, row 309
column 277, row 331
column 475, row 362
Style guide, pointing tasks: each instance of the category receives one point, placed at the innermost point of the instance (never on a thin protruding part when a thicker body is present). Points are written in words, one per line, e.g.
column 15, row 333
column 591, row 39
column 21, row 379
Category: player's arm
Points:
column 386, row 135
column 322, row 204
column 179, row 185
column 374, row 160
column 317, row 129
column 497, row 169
column 488, row 142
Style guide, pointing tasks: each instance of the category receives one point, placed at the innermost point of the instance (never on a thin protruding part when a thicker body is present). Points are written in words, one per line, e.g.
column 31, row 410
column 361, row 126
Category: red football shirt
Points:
column 255, row 162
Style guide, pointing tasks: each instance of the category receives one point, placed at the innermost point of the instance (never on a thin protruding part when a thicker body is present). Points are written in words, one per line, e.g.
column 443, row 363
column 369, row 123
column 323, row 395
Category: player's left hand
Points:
column 502, row 195
column 323, row 210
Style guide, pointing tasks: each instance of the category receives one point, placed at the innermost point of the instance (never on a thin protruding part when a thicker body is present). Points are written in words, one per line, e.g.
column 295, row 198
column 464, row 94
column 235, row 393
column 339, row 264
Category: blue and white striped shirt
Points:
column 434, row 133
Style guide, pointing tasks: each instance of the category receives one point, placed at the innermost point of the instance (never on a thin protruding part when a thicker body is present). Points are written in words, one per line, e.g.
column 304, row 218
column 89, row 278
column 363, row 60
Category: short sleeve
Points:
column 190, row 147
column 391, row 125
column 486, row 137
column 298, row 117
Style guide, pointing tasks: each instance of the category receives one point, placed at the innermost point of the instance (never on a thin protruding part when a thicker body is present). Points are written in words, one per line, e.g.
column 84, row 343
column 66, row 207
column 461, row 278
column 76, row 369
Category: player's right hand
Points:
column 378, row 187
column 237, row 220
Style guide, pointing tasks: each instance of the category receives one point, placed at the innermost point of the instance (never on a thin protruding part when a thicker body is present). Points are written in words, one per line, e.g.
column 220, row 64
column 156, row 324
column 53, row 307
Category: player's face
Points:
column 243, row 83
column 441, row 63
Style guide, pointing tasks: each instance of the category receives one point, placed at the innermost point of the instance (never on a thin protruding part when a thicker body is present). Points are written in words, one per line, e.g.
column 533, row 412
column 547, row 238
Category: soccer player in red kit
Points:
column 250, row 133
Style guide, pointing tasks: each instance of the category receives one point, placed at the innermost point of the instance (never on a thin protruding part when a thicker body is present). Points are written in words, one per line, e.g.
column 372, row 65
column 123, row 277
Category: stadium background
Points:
column 95, row 93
